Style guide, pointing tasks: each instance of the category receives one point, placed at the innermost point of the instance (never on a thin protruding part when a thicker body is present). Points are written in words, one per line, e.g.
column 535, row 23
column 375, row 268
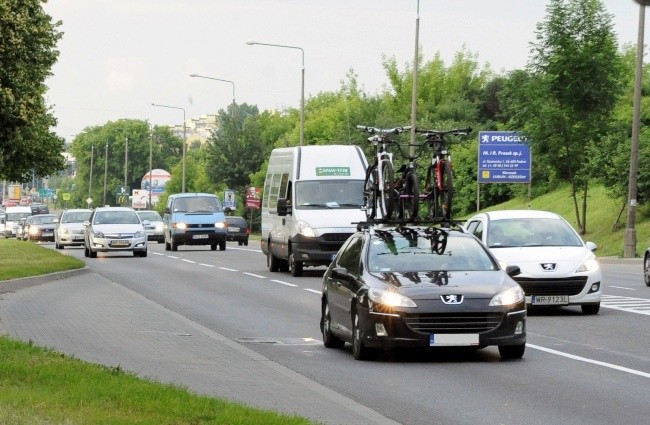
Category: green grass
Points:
column 24, row 259
column 602, row 213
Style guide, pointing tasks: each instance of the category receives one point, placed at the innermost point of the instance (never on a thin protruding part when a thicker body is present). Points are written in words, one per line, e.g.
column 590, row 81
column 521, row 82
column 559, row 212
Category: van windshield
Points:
column 197, row 204
column 326, row 194
column 17, row 216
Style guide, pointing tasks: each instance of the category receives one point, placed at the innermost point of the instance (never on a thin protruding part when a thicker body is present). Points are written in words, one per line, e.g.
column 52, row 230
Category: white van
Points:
column 313, row 198
column 11, row 219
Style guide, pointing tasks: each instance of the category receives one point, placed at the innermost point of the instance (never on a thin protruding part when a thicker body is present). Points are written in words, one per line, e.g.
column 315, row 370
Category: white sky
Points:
column 119, row 56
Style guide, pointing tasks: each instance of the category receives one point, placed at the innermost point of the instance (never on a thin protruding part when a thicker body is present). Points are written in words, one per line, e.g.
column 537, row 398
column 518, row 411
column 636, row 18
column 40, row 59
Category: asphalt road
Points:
column 222, row 324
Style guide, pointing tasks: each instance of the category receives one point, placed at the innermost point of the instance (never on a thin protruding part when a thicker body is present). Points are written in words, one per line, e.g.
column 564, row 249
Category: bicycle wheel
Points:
column 370, row 190
column 447, row 194
column 387, row 195
column 410, row 197
column 431, row 191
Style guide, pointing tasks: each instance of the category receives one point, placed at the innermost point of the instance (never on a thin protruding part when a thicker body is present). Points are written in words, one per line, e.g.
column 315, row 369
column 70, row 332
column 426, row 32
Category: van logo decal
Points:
column 332, row 171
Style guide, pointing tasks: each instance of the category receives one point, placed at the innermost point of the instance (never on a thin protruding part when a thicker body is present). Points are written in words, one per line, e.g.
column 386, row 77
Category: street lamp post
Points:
column 218, row 79
column 150, row 166
column 105, row 171
column 302, row 86
column 126, row 162
column 184, row 139
column 629, row 248
column 90, row 178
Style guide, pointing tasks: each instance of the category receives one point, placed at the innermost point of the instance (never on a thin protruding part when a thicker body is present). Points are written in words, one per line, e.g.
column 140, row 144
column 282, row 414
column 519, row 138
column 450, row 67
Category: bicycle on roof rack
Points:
column 438, row 191
column 378, row 188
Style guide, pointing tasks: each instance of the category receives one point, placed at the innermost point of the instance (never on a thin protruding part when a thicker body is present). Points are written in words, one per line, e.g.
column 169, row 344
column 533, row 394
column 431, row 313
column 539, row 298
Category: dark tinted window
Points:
column 351, row 256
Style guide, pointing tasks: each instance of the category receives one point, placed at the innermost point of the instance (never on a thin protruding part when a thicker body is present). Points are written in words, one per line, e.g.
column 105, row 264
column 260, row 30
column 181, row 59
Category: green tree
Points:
column 28, row 40
column 565, row 104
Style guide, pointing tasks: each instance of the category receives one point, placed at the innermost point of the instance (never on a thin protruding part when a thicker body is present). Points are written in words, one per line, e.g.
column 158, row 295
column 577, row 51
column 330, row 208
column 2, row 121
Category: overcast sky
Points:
column 119, row 56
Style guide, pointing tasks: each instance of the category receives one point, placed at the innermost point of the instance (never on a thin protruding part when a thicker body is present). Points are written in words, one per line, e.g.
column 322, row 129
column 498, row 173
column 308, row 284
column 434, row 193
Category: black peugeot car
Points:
column 416, row 286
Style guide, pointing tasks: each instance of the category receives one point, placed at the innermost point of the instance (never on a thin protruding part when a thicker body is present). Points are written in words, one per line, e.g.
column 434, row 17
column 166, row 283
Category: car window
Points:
column 43, row 219
column 321, row 194
column 396, row 253
column 116, row 217
column 149, row 215
column 531, row 232
column 197, row 204
column 351, row 256
column 75, row 216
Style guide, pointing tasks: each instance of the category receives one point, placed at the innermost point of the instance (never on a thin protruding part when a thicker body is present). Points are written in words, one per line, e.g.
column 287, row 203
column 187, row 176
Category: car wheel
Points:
column 167, row 245
column 590, row 308
column 295, row 266
column 272, row 261
column 329, row 340
column 57, row 245
column 646, row 270
column 240, row 243
column 86, row 251
column 222, row 246
column 512, row 351
column 359, row 351
column 213, row 247
column 91, row 253
column 173, row 245
column 246, row 242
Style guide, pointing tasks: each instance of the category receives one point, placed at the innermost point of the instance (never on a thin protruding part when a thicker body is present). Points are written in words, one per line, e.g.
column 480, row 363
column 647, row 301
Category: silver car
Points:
column 69, row 230
column 155, row 227
column 115, row 229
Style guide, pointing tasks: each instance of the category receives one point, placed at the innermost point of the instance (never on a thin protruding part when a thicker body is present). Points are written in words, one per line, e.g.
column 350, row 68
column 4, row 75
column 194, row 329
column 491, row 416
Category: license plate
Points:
column 45, row 234
column 200, row 237
column 233, row 229
column 450, row 340
column 550, row 299
column 77, row 237
column 120, row 243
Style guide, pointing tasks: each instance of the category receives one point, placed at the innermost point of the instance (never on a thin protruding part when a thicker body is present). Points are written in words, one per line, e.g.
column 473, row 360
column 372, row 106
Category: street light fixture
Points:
column 629, row 248
column 218, row 79
column 302, row 87
column 184, row 138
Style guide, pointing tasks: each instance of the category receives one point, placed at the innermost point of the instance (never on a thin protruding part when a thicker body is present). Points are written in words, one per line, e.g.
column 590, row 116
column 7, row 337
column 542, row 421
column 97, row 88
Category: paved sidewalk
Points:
column 96, row 320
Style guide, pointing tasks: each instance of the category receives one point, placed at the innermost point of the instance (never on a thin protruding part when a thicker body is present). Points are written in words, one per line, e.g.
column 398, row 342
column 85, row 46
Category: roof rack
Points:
column 435, row 223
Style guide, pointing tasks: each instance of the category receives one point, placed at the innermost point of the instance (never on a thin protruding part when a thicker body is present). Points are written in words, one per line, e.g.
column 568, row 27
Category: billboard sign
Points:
column 503, row 157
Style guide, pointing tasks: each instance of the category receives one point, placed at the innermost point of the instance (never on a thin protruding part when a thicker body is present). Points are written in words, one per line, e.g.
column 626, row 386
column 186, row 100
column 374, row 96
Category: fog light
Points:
column 594, row 287
column 380, row 330
column 520, row 328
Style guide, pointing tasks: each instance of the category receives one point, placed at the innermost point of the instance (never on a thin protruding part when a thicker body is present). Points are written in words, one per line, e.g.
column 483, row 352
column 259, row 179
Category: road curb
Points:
column 619, row 260
column 25, row 282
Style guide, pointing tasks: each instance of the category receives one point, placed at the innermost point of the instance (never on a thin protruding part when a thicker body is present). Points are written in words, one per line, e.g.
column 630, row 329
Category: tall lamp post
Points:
column 90, row 178
column 302, row 87
column 184, row 139
column 218, row 79
column 629, row 249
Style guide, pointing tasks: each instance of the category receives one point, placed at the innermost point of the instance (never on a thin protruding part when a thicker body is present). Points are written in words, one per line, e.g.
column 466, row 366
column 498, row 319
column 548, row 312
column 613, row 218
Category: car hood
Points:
column 429, row 285
column 530, row 259
column 72, row 226
column 117, row 228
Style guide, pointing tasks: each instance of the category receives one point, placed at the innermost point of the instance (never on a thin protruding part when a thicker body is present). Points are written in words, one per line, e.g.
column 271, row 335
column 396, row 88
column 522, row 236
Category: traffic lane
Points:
column 624, row 279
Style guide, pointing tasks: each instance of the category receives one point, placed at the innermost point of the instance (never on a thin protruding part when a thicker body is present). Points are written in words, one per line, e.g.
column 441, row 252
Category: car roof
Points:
column 509, row 214
column 234, row 217
column 187, row 195
column 114, row 209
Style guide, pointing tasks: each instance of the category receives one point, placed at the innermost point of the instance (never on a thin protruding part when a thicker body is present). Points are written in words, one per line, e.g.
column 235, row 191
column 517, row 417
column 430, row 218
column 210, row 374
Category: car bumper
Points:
column 116, row 245
column 198, row 237
column 317, row 251
column 391, row 330
column 71, row 240
column 155, row 235
column 577, row 290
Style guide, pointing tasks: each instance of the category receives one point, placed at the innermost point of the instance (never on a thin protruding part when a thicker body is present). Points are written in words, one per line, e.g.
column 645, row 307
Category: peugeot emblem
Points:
column 548, row 267
column 451, row 299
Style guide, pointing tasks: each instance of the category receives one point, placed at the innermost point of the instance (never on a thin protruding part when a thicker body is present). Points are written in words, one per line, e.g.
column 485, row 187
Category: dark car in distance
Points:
column 416, row 286
column 39, row 228
column 237, row 230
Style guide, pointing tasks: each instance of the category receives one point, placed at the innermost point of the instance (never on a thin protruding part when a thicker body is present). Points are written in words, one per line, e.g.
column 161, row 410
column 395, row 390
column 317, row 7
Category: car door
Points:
column 342, row 287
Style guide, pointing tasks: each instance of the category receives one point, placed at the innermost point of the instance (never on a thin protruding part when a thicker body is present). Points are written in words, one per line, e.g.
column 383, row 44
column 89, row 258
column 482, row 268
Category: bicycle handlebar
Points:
column 455, row 131
column 375, row 130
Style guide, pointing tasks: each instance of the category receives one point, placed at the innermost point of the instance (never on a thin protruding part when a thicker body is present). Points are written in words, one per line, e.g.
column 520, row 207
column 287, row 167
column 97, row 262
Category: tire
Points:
column 272, row 262
column 222, row 246
column 246, row 242
column 213, row 247
column 447, row 194
column 143, row 254
column 359, row 351
column 240, row 243
column 387, row 196
column 167, row 245
column 57, row 245
column 512, row 351
column 431, row 193
column 86, row 251
column 173, row 245
column 370, row 193
column 329, row 340
column 410, row 197
column 295, row 266
column 91, row 253
column 646, row 270
column 590, row 309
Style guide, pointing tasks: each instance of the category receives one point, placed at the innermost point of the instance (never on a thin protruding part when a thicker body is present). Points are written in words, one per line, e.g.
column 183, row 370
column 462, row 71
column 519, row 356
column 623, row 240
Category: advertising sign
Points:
column 253, row 198
column 229, row 199
column 503, row 157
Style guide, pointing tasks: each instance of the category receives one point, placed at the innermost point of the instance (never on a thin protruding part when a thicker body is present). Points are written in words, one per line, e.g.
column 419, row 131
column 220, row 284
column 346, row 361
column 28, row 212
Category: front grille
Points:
column 559, row 286
column 453, row 323
column 119, row 235
column 201, row 226
column 336, row 237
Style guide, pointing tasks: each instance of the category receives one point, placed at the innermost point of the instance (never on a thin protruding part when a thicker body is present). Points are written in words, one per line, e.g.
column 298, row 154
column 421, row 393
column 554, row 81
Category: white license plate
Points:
column 46, row 234
column 77, row 237
column 120, row 243
column 200, row 237
column 550, row 299
column 233, row 229
column 450, row 340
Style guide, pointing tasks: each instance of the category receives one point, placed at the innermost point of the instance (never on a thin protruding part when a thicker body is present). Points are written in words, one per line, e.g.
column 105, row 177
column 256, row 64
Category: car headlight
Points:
column 33, row 230
column 220, row 224
column 510, row 296
column 591, row 265
column 139, row 234
column 389, row 298
column 98, row 234
column 159, row 227
column 179, row 225
column 305, row 229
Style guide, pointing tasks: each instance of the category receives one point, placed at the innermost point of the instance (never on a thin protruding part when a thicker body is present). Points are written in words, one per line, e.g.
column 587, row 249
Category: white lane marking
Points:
column 188, row 261
column 629, row 304
column 255, row 275
column 313, row 290
column 623, row 287
column 284, row 283
column 171, row 256
column 227, row 269
column 586, row 360
column 206, row 265
column 158, row 253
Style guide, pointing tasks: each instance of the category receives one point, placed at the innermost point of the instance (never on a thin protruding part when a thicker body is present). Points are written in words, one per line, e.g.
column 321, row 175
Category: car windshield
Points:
column 116, row 217
column 43, row 219
column 198, row 204
column 149, row 215
column 17, row 216
column 325, row 194
column 397, row 253
column 75, row 216
column 519, row 232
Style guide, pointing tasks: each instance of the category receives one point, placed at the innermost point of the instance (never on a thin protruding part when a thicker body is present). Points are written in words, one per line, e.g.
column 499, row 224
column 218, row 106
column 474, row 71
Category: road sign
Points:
column 503, row 157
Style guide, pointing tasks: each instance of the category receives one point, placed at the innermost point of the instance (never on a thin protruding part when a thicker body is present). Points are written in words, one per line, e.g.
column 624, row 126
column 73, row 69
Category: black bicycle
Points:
column 379, row 187
column 439, row 184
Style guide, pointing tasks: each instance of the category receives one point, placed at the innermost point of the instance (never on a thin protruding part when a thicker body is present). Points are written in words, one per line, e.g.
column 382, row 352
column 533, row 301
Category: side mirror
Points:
column 55, row 221
column 167, row 210
column 86, row 223
column 340, row 273
column 591, row 246
column 513, row 271
column 283, row 207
